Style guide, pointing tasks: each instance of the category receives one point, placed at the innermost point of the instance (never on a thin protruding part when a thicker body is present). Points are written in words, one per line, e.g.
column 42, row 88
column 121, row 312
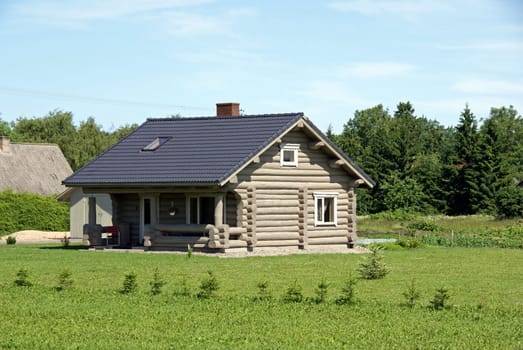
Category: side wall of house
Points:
column 79, row 211
column 278, row 201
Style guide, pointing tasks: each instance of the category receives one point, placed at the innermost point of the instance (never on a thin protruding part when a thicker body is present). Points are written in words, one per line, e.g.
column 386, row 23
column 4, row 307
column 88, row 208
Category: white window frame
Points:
column 289, row 147
column 322, row 196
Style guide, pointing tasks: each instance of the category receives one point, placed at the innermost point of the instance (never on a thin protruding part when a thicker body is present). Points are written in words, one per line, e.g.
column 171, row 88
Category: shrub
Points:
column 409, row 242
column 183, row 289
column 425, row 226
column 411, row 295
column 10, row 240
column 157, row 283
column 64, row 281
column 263, row 292
column 507, row 237
column 189, row 251
column 130, row 285
column 293, row 294
column 439, row 302
column 373, row 267
column 394, row 246
column 321, row 292
column 394, row 215
column 66, row 241
column 23, row 211
column 22, row 278
column 208, row 286
column 348, row 292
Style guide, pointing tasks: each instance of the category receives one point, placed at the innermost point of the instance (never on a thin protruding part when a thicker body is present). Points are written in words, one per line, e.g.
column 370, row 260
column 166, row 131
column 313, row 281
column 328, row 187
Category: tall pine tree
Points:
column 464, row 198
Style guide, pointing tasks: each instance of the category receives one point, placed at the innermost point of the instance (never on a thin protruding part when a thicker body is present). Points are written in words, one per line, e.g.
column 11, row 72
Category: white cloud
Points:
column 488, row 87
column 331, row 91
column 377, row 69
column 173, row 15
column 500, row 45
column 408, row 9
column 226, row 55
column 82, row 10
column 183, row 23
column 78, row 14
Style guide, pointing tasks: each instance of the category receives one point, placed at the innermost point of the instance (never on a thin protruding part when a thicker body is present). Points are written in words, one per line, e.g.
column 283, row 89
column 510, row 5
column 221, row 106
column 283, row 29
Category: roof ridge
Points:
column 25, row 143
column 228, row 117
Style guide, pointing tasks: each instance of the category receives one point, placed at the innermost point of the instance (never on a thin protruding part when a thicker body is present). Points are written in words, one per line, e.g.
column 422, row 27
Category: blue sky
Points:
column 122, row 61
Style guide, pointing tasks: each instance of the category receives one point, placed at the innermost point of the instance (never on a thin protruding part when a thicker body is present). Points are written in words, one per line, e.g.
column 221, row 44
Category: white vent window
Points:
column 325, row 208
column 289, row 155
column 155, row 144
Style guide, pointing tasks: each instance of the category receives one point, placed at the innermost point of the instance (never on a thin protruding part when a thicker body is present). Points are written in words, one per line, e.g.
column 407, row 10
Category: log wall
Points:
column 278, row 202
column 178, row 199
column 128, row 211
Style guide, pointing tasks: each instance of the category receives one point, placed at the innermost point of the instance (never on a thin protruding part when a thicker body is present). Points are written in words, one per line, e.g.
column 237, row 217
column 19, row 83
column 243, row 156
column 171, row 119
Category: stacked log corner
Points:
column 92, row 235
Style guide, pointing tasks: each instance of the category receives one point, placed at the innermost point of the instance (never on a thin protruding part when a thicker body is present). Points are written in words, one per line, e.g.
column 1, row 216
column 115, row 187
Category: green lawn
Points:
column 464, row 231
column 485, row 285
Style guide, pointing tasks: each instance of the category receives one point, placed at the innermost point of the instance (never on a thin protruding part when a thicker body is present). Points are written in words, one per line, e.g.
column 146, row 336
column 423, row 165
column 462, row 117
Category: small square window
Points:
column 289, row 155
column 325, row 209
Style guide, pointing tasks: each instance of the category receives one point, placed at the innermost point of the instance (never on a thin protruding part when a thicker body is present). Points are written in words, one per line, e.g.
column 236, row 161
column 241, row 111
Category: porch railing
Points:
column 198, row 236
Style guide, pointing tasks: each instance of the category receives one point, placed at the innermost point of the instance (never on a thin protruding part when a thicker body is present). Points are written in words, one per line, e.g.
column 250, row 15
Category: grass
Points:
column 484, row 286
column 388, row 225
column 464, row 231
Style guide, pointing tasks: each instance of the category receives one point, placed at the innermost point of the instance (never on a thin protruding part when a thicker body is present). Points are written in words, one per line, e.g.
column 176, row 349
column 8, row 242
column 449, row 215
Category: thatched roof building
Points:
column 32, row 167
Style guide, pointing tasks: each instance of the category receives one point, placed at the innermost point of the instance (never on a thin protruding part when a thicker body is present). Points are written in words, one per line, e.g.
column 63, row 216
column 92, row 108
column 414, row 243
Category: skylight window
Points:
column 155, row 144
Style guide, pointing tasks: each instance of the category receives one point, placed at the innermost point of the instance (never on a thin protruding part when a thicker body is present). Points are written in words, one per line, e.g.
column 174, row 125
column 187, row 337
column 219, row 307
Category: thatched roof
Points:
column 32, row 167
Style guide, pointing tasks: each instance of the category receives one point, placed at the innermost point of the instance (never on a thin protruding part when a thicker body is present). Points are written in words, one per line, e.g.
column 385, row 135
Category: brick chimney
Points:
column 5, row 144
column 228, row 109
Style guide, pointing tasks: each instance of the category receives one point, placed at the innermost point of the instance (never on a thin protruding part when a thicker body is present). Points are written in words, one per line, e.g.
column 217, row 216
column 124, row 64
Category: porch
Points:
column 202, row 220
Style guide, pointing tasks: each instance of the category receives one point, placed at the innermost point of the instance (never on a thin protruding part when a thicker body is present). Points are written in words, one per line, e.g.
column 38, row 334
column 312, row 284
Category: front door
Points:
column 148, row 214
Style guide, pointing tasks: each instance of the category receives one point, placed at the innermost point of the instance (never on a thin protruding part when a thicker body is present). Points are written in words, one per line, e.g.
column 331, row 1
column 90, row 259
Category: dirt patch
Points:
column 34, row 236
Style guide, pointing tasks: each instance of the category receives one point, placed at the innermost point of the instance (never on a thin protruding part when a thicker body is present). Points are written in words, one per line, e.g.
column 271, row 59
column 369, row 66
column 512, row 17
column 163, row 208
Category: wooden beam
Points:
column 256, row 160
column 357, row 183
column 316, row 145
column 336, row 163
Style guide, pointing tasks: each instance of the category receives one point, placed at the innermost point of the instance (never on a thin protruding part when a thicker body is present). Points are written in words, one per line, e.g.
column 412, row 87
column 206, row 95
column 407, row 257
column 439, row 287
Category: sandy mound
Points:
column 34, row 236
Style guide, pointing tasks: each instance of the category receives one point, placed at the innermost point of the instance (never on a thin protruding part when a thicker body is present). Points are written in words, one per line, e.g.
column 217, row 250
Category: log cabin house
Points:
column 226, row 183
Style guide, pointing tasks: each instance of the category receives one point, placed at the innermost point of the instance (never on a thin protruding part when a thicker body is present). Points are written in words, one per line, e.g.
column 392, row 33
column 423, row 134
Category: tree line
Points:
column 421, row 166
column 418, row 164
column 79, row 144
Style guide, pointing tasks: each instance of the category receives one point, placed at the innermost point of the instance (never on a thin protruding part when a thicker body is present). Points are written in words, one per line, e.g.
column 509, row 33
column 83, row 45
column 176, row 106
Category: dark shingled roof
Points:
column 198, row 151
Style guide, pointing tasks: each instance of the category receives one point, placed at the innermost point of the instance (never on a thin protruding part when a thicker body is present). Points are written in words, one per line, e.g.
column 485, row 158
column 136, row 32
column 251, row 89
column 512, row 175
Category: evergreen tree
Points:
column 464, row 198
column 483, row 190
column 502, row 136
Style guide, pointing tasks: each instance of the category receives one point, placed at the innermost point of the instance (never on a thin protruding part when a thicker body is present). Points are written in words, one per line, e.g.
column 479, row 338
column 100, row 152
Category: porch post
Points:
column 218, row 210
column 352, row 235
column 91, row 220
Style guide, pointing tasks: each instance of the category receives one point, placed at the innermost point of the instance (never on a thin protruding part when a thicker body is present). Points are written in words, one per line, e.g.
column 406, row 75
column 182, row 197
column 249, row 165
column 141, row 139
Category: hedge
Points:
column 26, row 211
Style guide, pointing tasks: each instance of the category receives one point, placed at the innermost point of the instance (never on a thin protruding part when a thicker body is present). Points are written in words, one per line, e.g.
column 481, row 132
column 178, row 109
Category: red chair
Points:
column 113, row 235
